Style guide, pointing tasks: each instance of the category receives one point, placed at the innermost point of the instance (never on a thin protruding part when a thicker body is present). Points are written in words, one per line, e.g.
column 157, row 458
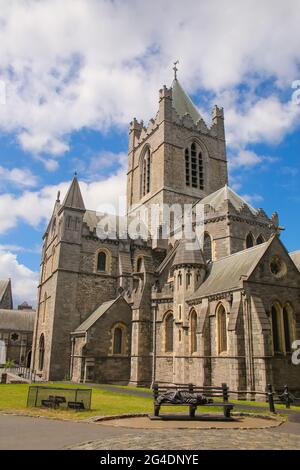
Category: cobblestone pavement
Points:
column 197, row 440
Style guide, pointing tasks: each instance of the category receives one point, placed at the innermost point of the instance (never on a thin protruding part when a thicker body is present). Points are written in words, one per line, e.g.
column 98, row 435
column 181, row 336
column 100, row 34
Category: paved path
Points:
column 22, row 432
column 19, row 432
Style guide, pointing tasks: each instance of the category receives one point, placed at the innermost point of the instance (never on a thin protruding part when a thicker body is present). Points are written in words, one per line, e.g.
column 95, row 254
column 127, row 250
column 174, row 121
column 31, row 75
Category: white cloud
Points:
column 98, row 63
column 35, row 207
column 21, row 177
column 248, row 158
column 24, row 280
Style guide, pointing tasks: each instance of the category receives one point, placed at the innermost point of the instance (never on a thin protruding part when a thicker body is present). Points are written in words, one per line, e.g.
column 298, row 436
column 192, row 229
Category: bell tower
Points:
column 177, row 158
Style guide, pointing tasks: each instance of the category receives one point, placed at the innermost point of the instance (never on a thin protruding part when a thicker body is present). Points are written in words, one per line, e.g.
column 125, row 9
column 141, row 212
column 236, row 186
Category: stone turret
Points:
column 189, row 268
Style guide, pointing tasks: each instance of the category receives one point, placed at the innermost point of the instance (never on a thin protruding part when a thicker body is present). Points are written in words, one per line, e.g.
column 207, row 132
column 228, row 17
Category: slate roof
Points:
column 86, row 325
column 295, row 255
column 17, row 320
column 225, row 274
column 73, row 197
column 182, row 102
column 216, row 199
column 188, row 253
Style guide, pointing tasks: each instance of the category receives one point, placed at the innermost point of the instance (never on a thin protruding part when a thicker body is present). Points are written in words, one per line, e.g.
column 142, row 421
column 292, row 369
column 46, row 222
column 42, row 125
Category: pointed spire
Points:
column 183, row 103
column 73, row 197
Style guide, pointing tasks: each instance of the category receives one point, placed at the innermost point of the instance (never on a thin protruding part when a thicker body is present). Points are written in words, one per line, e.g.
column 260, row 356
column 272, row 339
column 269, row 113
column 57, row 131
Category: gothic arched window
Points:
column 41, row 352
column 119, row 335
column 193, row 330
column 146, row 172
column 207, row 247
column 179, row 279
column 117, row 341
column 169, row 333
column 260, row 240
column 101, row 261
column 194, row 175
column 275, row 317
column 139, row 264
column 249, row 240
column 288, row 327
column 222, row 329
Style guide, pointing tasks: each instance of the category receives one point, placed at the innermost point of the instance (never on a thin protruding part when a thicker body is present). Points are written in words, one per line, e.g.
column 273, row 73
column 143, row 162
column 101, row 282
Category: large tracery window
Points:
column 146, row 172
column 194, row 176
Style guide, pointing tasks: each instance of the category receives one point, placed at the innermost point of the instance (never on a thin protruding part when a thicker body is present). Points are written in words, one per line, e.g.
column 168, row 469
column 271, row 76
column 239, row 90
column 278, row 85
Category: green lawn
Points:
column 13, row 397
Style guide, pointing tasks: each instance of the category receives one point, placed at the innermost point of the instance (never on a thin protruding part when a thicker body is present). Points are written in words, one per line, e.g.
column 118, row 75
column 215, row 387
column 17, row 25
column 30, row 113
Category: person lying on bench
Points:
column 178, row 397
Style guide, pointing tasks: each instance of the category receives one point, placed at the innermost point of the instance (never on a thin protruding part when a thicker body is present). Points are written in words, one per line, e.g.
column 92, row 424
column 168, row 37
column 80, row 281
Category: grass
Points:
column 13, row 398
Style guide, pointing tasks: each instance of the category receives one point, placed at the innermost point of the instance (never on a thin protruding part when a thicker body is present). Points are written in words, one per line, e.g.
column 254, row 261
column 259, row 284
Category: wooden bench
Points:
column 53, row 401
column 208, row 392
column 76, row 405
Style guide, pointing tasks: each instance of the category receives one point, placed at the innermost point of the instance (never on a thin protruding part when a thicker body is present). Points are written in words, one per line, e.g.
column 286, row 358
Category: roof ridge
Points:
column 243, row 251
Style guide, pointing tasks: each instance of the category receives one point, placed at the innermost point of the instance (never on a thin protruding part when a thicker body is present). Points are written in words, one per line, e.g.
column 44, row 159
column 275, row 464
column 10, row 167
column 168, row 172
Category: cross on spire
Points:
column 175, row 69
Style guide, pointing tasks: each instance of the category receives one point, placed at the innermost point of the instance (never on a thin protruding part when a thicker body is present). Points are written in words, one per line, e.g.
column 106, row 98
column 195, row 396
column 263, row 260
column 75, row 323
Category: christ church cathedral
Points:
column 134, row 310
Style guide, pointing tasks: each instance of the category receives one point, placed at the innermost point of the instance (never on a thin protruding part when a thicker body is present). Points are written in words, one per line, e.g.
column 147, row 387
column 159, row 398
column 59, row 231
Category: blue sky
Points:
column 75, row 75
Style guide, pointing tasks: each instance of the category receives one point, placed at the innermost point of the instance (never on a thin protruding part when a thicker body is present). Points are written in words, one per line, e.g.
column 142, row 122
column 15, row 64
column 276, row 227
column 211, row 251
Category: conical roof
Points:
column 188, row 253
column 73, row 197
column 183, row 103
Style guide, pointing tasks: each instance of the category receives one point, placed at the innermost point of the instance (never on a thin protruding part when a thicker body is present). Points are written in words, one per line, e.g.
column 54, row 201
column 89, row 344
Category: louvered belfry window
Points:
column 194, row 175
column 146, row 172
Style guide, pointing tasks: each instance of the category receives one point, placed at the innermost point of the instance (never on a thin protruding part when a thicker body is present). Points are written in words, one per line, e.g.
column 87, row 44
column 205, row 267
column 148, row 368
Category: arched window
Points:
column 101, row 261
column 194, row 176
column 179, row 279
column 207, row 248
column 288, row 327
column 41, row 352
column 275, row 317
column 139, row 264
column 188, row 279
column 222, row 329
column 193, row 329
column 169, row 333
column 260, row 240
column 146, row 172
column 249, row 240
column 118, row 341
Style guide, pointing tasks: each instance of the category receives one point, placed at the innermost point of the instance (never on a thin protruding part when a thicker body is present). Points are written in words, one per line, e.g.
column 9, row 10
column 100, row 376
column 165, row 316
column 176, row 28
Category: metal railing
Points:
column 24, row 372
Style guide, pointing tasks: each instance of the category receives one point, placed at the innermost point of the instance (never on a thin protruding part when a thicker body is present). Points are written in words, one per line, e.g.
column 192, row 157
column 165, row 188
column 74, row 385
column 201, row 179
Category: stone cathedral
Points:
column 136, row 310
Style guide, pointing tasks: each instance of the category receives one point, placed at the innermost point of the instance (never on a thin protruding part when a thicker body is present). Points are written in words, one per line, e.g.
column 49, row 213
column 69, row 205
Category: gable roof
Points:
column 17, row 320
column 73, row 198
column 86, row 325
column 216, row 199
column 295, row 255
column 183, row 103
column 226, row 273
